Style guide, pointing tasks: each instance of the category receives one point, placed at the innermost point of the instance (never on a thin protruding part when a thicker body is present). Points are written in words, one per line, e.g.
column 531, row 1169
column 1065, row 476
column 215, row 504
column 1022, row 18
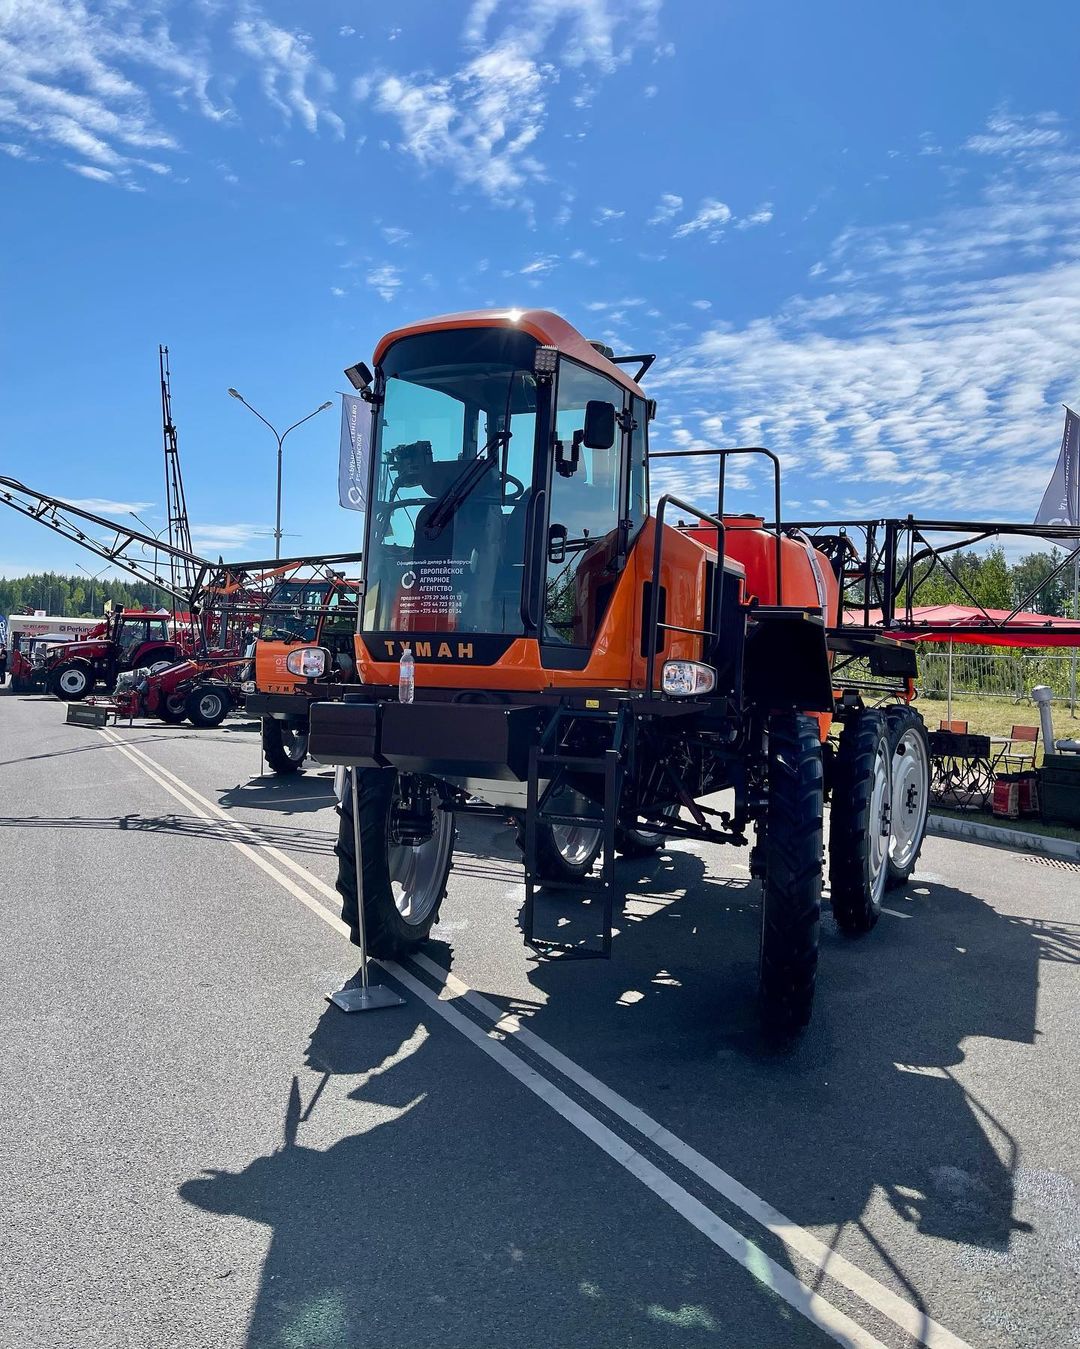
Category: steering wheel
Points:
column 519, row 488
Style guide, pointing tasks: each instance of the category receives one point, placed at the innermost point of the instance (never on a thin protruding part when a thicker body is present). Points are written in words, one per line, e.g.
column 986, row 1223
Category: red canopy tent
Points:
column 969, row 623
column 962, row 623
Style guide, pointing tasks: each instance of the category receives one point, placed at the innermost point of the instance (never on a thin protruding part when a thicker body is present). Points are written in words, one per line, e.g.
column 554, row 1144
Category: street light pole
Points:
column 280, row 438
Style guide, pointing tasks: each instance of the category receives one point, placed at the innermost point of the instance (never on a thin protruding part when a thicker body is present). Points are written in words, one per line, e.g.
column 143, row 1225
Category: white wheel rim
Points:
column 73, row 681
column 209, row 705
column 877, row 844
column 910, row 798
column 416, row 874
column 574, row 842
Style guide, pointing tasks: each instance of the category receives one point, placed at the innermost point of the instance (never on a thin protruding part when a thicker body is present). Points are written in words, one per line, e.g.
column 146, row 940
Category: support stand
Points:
column 365, row 996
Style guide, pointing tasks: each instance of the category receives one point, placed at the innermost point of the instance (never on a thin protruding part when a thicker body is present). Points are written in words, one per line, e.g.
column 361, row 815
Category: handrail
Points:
column 654, row 598
column 528, row 579
column 775, row 527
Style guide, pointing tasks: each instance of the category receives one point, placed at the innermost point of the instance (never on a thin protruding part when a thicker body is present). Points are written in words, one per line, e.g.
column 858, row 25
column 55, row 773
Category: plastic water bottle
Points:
column 406, row 683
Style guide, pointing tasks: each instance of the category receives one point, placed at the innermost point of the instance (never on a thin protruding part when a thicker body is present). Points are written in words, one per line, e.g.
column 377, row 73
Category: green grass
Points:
column 996, row 716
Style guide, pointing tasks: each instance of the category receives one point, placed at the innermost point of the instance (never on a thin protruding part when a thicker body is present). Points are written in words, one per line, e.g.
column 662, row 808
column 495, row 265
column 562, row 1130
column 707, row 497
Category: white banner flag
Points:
column 352, row 456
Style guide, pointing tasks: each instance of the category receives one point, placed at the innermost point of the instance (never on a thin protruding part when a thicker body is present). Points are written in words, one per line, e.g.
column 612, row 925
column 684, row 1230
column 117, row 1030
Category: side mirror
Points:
column 599, row 431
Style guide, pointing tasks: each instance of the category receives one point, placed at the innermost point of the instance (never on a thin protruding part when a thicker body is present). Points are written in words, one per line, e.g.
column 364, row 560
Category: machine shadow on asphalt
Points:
column 362, row 1245
column 305, row 793
column 308, row 842
column 866, row 1104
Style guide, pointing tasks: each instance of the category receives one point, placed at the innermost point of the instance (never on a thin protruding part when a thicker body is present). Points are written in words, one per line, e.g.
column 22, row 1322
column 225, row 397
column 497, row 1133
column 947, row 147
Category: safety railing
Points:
column 654, row 626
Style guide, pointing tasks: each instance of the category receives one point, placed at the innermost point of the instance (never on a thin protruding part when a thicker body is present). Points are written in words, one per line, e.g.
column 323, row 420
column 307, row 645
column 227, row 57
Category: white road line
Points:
column 895, row 913
column 798, row 1241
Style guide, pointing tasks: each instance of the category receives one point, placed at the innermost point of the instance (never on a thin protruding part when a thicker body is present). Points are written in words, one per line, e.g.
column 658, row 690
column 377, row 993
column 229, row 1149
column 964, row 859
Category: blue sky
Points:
column 851, row 233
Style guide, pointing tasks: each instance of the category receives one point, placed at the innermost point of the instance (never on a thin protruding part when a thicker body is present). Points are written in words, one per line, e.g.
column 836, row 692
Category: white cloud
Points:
column 761, row 216
column 604, row 215
column 68, row 78
column 481, row 121
column 394, row 234
column 930, row 378
column 711, row 217
column 346, row 30
column 211, row 539
column 540, row 266
column 292, row 78
column 97, row 79
column 337, row 292
column 701, row 304
column 385, row 281
column 667, row 208
column 110, row 507
column 1006, row 135
column 92, row 172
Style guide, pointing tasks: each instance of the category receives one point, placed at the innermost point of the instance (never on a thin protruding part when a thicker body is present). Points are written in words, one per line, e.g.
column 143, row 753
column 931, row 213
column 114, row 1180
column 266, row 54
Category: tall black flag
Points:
column 1060, row 505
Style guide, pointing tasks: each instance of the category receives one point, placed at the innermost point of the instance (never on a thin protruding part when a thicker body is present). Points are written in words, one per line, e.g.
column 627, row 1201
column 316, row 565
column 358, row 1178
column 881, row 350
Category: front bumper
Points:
column 290, row 706
column 455, row 740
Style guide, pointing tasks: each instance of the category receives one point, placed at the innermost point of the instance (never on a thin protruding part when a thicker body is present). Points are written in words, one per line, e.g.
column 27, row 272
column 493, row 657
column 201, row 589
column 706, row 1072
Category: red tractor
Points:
column 200, row 691
column 126, row 640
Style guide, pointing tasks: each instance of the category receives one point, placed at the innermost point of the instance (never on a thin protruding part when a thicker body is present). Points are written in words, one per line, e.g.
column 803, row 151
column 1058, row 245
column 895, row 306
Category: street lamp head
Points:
column 234, row 394
column 324, row 406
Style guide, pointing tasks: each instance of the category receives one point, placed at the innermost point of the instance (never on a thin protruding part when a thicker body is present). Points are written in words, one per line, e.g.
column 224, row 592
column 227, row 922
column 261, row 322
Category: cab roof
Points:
column 550, row 330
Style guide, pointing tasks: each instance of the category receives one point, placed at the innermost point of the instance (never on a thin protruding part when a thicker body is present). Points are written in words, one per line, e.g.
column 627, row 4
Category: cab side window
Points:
column 583, row 523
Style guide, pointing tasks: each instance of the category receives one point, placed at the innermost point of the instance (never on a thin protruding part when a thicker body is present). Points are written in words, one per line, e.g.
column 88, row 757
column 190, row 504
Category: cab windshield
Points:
column 453, row 472
column 292, row 613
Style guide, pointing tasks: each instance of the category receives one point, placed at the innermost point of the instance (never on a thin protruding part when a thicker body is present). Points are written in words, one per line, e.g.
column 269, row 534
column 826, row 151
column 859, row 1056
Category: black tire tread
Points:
column 791, row 893
column 853, row 775
column 274, row 749
column 388, row 937
column 192, row 708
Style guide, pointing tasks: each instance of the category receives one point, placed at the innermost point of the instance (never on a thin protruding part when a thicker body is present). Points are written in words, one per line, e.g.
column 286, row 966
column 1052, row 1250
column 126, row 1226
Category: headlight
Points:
column 309, row 662
column 248, row 686
column 685, row 678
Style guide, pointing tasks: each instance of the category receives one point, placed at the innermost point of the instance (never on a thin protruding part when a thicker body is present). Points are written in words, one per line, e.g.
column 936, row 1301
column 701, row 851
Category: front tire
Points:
column 206, row 706
column 791, row 893
column 72, row 682
column 402, row 887
column 173, row 708
column 859, row 831
column 284, row 745
column 910, row 792
column 631, row 842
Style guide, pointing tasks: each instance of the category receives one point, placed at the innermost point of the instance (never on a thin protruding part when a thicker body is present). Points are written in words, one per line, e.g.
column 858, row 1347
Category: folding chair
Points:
column 1019, row 752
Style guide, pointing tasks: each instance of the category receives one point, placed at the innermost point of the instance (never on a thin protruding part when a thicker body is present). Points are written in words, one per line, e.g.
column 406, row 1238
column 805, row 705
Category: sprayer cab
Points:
column 508, row 484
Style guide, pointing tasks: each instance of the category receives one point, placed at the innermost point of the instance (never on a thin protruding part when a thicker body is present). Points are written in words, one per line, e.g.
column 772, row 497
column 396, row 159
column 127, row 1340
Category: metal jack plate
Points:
column 370, row 999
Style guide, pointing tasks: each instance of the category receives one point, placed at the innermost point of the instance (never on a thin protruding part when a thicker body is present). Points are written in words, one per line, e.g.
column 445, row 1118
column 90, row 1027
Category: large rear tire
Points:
column 284, row 745
column 791, row 893
column 402, row 887
column 72, row 682
column 859, row 831
column 910, row 747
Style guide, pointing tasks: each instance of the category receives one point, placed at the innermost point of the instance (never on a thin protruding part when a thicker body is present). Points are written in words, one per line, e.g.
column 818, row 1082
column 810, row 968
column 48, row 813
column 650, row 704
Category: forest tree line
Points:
column 74, row 596
column 988, row 579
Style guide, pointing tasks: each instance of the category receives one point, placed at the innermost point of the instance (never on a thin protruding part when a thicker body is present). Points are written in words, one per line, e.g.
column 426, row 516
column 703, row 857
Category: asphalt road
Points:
column 198, row 1151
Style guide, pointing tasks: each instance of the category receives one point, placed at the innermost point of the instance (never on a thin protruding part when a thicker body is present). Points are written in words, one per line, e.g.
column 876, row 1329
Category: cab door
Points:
column 585, row 543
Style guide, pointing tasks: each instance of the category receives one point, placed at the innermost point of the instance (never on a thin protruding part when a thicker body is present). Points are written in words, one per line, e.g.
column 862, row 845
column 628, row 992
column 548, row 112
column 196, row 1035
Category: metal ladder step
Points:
column 557, row 764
